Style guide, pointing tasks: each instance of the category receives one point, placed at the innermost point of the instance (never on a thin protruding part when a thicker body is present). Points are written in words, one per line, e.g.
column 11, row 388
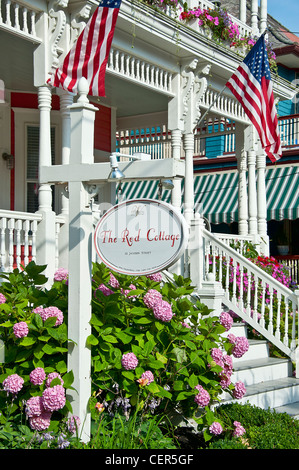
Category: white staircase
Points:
column 268, row 380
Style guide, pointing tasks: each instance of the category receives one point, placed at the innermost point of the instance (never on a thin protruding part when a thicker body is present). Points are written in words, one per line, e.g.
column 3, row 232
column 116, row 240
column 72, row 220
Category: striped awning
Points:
column 216, row 194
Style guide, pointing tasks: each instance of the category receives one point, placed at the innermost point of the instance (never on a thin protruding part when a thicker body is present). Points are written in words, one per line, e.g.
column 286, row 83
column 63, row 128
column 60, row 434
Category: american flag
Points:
column 89, row 55
column 252, row 86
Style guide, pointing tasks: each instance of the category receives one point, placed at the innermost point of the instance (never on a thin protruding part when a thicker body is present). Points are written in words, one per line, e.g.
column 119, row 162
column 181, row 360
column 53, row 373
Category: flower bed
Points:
column 216, row 24
column 155, row 351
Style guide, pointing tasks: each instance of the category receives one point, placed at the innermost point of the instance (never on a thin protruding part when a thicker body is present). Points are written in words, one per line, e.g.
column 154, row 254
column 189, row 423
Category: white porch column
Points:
column 262, row 202
column 44, row 105
column 45, row 238
column 189, row 179
column 242, row 5
column 264, row 14
column 251, row 147
column 242, row 184
column 176, row 143
column 254, row 15
column 66, row 100
column 252, row 197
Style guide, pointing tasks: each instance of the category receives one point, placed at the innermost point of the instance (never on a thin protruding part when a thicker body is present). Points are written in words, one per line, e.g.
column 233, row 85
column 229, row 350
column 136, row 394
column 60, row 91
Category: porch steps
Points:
column 268, row 380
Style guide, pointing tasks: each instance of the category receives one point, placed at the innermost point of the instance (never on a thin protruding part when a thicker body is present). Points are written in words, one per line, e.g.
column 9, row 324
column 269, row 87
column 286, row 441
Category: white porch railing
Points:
column 154, row 140
column 17, row 239
column 18, row 234
column 263, row 302
column 157, row 139
column 18, row 19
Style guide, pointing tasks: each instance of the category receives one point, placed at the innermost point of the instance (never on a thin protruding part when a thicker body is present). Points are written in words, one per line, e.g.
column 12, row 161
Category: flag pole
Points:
column 219, row 94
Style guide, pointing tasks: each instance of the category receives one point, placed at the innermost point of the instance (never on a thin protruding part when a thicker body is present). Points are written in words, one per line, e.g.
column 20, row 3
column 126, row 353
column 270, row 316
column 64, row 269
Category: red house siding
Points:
column 102, row 129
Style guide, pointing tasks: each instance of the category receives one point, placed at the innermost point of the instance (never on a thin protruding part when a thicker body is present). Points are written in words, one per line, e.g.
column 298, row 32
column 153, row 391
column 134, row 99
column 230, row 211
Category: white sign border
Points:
column 184, row 240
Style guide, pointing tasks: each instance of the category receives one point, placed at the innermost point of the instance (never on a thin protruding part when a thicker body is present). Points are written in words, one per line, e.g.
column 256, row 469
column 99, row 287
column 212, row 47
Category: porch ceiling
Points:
column 16, row 63
column 16, row 70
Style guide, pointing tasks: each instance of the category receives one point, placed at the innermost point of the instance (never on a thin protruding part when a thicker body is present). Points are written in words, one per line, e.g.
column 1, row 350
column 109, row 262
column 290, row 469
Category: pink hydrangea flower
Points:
column 20, row 329
column 239, row 390
column 226, row 320
column 225, row 382
column 157, row 277
column 147, row 376
column 239, row 430
column 106, row 291
column 217, row 355
column 2, row 299
column 127, row 291
column 41, row 422
column 241, row 346
column 34, row 407
column 163, row 311
column 186, row 325
column 54, row 398
column 152, row 297
column 73, row 424
column 129, row 361
column 61, row 274
column 37, row 376
column 216, row 428
column 51, row 376
column 49, row 312
column 203, row 397
column 113, row 281
column 13, row 383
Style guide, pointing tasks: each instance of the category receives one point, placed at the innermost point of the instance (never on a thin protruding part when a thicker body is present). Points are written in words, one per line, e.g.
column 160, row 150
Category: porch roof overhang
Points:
column 216, row 194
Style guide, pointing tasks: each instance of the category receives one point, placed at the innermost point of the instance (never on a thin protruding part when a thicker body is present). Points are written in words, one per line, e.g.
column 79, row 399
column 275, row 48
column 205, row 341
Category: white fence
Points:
column 18, row 238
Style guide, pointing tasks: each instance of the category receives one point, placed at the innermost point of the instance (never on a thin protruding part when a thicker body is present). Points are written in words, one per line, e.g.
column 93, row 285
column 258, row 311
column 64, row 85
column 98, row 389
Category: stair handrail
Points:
column 274, row 315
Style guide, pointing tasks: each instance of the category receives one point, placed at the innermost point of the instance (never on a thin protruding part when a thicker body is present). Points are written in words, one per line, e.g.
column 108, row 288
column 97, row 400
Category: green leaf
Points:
column 27, row 341
column 179, row 385
column 48, row 349
column 68, row 379
column 6, row 324
column 193, row 381
column 142, row 320
column 179, row 354
column 155, row 364
column 123, row 337
column 129, row 375
column 109, row 339
column 92, row 340
column 184, row 395
column 161, row 358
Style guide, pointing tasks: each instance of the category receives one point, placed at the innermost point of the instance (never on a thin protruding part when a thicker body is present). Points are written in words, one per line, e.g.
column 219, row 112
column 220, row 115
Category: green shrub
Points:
column 172, row 350
column 265, row 429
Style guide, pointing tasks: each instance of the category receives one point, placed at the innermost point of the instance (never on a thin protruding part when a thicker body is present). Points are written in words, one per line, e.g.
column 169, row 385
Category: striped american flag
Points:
column 89, row 55
column 252, row 86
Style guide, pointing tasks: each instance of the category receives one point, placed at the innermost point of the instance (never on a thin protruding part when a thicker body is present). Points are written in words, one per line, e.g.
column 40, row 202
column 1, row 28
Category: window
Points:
column 32, row 165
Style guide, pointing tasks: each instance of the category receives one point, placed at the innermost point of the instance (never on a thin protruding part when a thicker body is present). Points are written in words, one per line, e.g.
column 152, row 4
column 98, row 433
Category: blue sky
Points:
column 286, row 12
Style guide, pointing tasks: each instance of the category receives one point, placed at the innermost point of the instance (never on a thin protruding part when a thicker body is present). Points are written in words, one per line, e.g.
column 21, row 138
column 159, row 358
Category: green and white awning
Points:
column 216, row 194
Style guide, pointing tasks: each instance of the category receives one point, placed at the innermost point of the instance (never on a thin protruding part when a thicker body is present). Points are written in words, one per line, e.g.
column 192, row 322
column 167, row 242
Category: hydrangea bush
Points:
column 34, row 332
column 156, row 351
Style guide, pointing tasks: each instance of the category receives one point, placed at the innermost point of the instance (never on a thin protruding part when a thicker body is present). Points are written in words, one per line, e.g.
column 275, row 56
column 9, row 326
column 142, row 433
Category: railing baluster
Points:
column 18, row 229
column 277, row 331
column 3, row 225
column 286, row 322
column 26, row 227
column 11, row 226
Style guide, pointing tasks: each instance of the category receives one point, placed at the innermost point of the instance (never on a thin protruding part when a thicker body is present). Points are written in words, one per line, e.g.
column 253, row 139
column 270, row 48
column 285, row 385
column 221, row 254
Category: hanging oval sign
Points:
column 141, row 236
